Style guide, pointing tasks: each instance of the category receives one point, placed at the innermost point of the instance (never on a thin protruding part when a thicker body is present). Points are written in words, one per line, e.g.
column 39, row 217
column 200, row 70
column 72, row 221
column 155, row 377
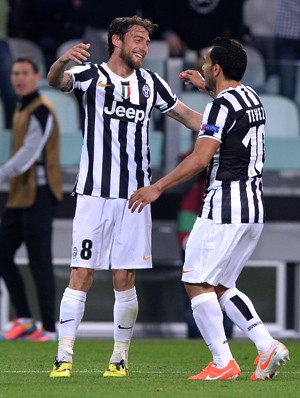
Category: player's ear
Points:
column 217, row 69
column 115, row 40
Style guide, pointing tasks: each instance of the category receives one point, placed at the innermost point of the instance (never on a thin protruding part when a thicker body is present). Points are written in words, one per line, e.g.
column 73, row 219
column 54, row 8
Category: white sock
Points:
column 241, row 311
column 71, row 312
column 125, row 314
column 209, row 319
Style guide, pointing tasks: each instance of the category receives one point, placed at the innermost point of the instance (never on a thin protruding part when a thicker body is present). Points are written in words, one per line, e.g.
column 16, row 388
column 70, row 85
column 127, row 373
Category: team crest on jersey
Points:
column 146, row 90
column 125, row 90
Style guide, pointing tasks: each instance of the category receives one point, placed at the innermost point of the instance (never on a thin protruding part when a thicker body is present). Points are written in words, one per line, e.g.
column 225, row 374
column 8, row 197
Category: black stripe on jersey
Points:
column 124, row 172
column 159, row 87
column 210, row 214
column 107, row 138
column 260, row 187
column 138, row 135
column 255, row 200
column 79, row 94
column 244, row 203
column 141, row 83
column 90, row 74
column 226, row 197
column 213, row 114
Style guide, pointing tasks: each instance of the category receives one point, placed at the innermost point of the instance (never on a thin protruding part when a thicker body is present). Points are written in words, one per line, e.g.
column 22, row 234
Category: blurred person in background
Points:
column 98, row 16
column 287, row 45
column 35, row 189
column 259, row 19
column 48, row 23
column 193, row 24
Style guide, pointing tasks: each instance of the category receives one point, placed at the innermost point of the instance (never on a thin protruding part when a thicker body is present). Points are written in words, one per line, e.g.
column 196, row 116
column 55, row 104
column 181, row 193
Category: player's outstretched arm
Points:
column 197, row 161
column 56, row 76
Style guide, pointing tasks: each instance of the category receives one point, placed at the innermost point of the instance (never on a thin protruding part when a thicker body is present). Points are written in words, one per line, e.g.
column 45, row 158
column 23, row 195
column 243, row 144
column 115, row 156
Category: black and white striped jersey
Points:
column 234, row 191
column 115, row 157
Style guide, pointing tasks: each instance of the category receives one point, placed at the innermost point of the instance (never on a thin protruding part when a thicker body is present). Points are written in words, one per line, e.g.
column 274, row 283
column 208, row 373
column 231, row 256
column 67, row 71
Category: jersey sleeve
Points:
column 39, row 130
column 165, row 98
column 216, row 120
column 82, row 76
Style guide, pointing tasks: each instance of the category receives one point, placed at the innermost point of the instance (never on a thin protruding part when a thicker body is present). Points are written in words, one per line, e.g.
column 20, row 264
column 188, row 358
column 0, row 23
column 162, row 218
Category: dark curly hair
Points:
column 120, row 26
column 231, row 57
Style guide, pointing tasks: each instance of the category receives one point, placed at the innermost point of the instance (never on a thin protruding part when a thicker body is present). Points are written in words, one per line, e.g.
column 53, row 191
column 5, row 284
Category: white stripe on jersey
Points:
column 115, row 158
column 234, row 185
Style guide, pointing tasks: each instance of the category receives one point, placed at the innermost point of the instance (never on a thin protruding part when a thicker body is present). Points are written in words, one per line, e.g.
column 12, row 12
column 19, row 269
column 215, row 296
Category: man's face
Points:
column 23, row 79
column 207, row 68
column 134, row 48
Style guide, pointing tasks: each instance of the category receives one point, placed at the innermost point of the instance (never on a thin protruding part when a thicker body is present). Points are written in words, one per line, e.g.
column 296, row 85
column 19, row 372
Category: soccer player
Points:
column 116, row 100
column 230, row 145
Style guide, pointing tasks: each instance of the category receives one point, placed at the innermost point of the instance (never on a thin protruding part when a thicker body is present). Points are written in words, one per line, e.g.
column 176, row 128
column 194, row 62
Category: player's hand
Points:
column 78, row 53
column 142, row 197
column 193, row 78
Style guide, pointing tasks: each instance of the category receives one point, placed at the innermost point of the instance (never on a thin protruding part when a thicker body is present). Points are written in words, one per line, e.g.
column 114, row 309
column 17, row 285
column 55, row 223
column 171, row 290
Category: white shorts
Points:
column 217, row 253
column 106, row 234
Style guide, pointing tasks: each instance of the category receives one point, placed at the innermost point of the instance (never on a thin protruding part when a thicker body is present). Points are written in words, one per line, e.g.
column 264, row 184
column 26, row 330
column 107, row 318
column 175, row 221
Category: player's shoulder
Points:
column 149, row 74
column 76, row 69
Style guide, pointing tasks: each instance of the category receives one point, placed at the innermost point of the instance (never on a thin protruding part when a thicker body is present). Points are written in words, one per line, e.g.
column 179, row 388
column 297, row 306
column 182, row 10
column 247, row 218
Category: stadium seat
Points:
column 282, row 154
column 282, row 116
column 26, row 48
column 255, row 74
column 157, row 57
column 190, row 59
column 70, row 149
column 66, row 108
column 156, row 143
column 5, row 145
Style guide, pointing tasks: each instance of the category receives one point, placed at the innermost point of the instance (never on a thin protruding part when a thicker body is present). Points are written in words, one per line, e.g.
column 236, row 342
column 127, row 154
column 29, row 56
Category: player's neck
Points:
column 119, row 68
column 225, row 85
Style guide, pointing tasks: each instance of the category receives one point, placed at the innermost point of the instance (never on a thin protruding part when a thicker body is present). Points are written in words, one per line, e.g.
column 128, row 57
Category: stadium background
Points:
column 275, row 269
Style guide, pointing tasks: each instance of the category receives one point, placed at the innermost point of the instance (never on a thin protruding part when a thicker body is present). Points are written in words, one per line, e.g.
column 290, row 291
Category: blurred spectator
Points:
column 48, row 23
column 287, row 45
column 98, row 16
column 259, row 18
column 35, row 188
column 7, row 93
column 194, row 23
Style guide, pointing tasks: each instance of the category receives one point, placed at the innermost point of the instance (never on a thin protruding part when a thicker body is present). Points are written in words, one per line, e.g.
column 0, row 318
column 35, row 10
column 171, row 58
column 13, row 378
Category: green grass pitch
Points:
column 157, row 368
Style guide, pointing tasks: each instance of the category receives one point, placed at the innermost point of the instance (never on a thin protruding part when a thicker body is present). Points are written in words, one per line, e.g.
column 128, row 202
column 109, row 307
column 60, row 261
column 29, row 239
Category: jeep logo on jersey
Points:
column 125, row 111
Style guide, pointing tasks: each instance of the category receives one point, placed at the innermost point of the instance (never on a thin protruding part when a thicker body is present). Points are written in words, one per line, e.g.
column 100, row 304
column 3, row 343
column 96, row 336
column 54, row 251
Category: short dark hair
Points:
column 120, row 26
column 29, row 61
column 230, row 55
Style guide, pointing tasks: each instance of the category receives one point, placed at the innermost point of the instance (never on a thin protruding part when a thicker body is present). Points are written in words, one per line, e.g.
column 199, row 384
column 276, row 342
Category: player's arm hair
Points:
column 58, row 78
column 188, row 117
